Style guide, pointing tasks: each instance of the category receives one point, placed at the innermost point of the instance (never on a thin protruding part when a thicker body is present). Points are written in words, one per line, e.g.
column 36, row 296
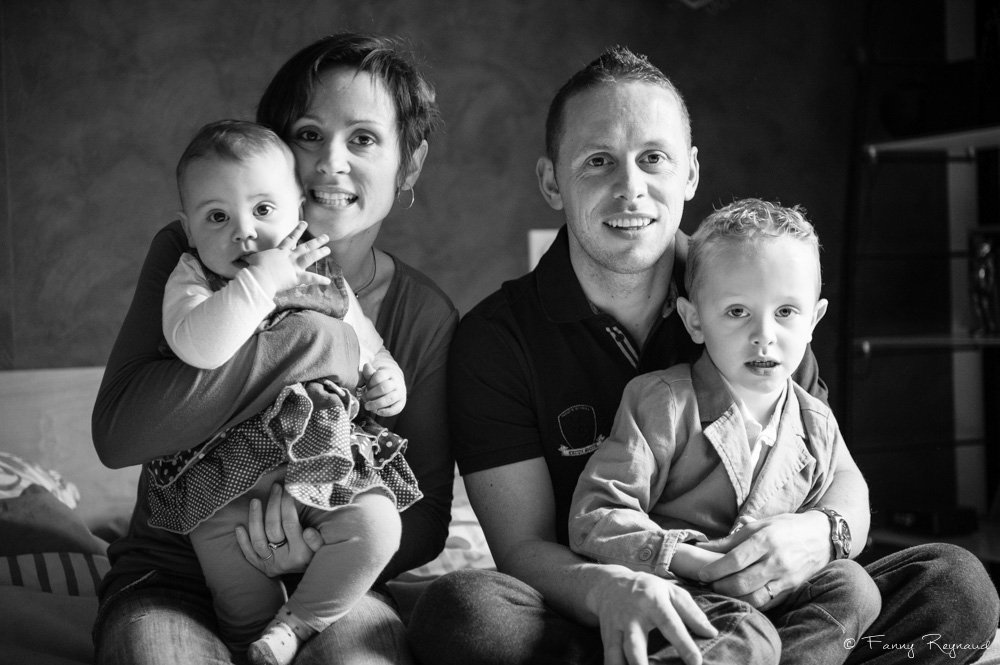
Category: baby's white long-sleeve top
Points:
column 206, row 328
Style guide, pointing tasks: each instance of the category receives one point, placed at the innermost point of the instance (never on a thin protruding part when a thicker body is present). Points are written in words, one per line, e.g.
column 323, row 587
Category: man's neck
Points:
column 634, row 300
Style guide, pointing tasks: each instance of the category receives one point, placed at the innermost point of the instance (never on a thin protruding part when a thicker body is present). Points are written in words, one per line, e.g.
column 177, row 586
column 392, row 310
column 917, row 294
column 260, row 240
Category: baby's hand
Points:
column 385, row 394
column 286, row 264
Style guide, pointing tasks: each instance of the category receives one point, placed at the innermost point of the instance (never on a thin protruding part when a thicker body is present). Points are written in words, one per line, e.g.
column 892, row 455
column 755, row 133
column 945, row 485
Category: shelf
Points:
column 952, row 142
column 984, row 543
column 920, row 342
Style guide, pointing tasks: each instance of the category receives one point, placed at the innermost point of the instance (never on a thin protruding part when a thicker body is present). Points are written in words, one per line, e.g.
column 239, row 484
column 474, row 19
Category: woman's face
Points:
column 347, row 154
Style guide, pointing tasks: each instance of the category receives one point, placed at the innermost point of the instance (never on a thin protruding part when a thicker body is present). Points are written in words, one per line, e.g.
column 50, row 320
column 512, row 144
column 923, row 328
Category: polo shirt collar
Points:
column 560, row 292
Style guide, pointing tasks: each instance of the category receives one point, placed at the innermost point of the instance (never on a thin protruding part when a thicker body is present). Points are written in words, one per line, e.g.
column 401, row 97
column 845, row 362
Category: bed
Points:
column 59, row 508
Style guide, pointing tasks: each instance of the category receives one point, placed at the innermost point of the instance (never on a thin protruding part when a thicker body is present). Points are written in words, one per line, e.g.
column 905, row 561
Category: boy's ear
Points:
column 689, row 315
column 818, row 313
column 547, row 183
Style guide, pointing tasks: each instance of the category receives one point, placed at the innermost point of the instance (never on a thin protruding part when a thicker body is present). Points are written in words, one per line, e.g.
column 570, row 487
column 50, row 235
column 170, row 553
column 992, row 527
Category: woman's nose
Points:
column 334, row 158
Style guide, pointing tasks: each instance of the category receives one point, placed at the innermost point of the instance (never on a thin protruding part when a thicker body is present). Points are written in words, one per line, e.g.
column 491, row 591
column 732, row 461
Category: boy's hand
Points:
column 286, row 264
column 385, row 394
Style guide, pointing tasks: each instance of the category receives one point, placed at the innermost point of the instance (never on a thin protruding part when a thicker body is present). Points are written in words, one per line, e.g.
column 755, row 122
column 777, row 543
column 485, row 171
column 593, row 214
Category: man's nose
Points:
column 631, row 183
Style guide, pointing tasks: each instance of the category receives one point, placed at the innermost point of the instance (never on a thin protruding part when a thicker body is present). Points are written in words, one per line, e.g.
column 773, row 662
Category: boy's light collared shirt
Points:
column 758, row 436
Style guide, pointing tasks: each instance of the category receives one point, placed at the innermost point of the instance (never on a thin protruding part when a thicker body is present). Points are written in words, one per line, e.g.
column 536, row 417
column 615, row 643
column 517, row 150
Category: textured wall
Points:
column 101, row 97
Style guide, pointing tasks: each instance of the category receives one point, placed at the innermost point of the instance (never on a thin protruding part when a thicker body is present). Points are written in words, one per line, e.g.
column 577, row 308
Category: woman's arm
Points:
column 424, row 423
column 152, row 404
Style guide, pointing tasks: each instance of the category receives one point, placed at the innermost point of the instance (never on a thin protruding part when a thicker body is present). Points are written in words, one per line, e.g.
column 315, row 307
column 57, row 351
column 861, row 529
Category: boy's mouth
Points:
column 763, row 364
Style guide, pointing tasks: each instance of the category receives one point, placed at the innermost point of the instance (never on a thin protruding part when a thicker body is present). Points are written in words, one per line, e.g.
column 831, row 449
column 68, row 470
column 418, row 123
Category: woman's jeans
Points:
column 164, row 621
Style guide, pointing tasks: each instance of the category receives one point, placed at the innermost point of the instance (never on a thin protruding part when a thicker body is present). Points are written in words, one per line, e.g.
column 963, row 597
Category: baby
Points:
column 241, row 203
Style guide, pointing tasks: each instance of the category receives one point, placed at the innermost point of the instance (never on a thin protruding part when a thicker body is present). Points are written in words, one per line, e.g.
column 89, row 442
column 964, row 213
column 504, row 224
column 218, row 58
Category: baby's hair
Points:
column 231, row 140
column 746, row 222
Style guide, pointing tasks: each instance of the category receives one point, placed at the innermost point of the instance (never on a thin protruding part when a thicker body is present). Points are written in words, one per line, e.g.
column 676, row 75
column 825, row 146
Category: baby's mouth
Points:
column 763, row 364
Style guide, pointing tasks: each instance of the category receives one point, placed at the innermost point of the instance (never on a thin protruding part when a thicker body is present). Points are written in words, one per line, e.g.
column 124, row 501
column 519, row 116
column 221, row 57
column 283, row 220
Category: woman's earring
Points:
column 413, row 197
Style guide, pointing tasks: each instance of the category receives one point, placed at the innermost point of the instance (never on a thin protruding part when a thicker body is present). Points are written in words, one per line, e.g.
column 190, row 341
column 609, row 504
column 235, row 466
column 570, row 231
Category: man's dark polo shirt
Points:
column 535, row 371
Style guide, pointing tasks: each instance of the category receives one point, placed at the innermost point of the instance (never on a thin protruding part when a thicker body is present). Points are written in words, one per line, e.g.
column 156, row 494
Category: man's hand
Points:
column 285, row 265
column 629, row 605
column 281, row 524
column 385, row 392
column 766, row 560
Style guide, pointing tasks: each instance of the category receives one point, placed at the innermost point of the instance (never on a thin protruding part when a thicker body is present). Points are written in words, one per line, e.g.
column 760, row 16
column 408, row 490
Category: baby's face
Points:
column 757, row 310
column 235, row 208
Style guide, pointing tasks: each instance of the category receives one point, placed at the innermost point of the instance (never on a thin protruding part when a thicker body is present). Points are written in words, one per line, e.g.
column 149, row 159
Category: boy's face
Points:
column 755, row 308
column 235, row 208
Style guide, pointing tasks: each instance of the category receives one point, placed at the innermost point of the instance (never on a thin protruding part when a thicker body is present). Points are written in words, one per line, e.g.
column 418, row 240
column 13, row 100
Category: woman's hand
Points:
column 276, row 543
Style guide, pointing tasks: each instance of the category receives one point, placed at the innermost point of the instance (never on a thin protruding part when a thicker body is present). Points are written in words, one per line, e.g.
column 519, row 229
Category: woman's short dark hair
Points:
column 290, row 92
column 616, row 64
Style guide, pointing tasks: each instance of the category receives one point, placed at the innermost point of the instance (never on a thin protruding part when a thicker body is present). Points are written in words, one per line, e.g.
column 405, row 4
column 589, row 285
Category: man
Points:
column 536, row 375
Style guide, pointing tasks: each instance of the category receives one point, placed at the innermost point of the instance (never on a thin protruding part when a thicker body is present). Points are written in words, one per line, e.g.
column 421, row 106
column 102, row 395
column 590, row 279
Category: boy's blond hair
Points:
column 747, row 222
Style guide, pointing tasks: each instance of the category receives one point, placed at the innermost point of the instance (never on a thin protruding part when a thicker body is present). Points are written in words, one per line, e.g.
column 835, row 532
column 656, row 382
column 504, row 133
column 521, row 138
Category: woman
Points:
column 356, row 114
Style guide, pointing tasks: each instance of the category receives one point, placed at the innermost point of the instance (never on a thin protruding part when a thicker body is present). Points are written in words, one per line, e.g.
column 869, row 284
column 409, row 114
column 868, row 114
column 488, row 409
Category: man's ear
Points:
column 415, row 167
column 694, row 175
column 689, row 315
column 546, row 172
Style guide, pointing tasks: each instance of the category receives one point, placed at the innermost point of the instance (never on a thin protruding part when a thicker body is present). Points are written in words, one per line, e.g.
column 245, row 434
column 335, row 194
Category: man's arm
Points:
column 516, row 508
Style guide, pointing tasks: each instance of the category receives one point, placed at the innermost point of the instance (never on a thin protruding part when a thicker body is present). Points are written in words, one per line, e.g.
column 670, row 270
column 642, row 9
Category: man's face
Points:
column 623, row 173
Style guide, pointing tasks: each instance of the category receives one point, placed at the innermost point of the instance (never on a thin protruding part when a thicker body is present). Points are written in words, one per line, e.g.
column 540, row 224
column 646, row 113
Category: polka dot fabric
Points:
column 330, row 458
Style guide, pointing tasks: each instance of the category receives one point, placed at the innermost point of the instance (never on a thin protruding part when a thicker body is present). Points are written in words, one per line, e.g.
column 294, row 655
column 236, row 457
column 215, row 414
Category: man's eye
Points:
column 263, row 210
column 218, row 217
column 597, row 161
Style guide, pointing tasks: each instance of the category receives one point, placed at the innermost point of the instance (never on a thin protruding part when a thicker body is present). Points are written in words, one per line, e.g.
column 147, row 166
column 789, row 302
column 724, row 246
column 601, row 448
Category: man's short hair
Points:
column 747, row 222
column 616, row 64
column 230, row 140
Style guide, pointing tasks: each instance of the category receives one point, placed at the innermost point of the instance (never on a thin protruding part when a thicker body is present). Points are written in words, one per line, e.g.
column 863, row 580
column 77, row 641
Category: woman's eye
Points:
column 263, row 210
column 364, row 140
column 217, row 217
column 307, row 135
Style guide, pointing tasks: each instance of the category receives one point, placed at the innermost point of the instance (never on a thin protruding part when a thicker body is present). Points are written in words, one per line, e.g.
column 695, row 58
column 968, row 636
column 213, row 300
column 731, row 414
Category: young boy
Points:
column 698, row 451
column 241, row 205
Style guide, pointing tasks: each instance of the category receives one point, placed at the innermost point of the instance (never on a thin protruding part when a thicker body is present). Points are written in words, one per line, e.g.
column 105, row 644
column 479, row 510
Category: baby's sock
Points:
column 280, row 641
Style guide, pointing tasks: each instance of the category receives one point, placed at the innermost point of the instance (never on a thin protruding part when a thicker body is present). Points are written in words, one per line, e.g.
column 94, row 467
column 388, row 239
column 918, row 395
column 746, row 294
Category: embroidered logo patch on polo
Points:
column 578, row 426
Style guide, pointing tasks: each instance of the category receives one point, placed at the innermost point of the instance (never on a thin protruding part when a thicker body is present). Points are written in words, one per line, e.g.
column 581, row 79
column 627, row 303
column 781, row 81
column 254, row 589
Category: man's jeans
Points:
column 484, row 618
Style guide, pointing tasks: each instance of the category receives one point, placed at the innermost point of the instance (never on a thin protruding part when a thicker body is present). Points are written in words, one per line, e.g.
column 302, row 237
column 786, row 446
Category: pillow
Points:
column 16, row 475
column 36, row 521
column 64, row 573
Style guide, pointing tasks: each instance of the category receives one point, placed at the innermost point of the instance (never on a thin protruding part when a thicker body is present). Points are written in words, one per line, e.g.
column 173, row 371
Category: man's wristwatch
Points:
column 840, row 533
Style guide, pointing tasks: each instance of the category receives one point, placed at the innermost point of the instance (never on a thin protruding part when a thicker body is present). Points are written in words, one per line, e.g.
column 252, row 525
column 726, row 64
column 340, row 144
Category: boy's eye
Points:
column 784, row 312
column 263, row 210
column 217, row 217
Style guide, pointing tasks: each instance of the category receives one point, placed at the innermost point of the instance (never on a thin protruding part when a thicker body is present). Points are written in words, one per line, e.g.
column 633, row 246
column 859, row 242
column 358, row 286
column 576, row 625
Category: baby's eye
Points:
column 736, row 312
column 263, row 210
column 218, row 217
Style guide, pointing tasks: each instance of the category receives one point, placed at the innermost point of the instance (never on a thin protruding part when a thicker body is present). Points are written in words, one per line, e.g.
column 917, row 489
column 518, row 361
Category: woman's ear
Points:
column 689, row 315
column 547, row 183
column 415, row 167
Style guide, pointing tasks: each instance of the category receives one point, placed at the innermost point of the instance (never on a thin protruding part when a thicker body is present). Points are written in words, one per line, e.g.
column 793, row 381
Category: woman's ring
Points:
column 275, row 546
column 267, row 557
column 770, row 594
